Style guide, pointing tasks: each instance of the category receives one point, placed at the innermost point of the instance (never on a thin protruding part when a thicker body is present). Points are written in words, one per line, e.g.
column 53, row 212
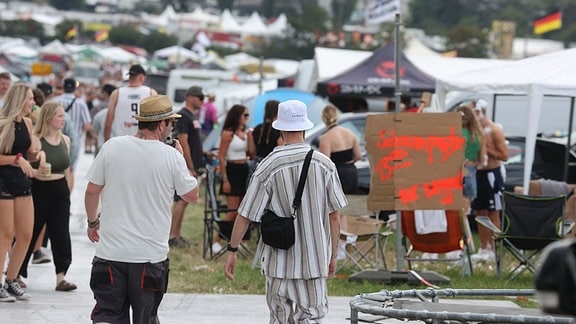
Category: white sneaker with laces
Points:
column 5, row 297
column 216, row 247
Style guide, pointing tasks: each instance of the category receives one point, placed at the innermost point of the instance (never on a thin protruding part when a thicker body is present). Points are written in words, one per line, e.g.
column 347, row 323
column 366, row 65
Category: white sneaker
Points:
column 484, row 255
column 216, row 247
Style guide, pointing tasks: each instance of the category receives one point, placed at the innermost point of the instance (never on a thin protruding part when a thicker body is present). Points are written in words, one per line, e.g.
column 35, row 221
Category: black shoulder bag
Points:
column 278, row 232
column 70, row 105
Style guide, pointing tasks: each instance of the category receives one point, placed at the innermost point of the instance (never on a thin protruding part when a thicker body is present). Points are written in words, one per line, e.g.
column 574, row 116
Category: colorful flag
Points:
column 101, row 36
column 550, row 22
column 72, row 32
column 382, row 11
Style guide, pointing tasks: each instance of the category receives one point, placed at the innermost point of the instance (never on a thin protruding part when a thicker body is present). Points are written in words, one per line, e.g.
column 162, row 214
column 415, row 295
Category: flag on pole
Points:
column 382, row 11
column 550, row 22
column 72, row 32
column 101, row 36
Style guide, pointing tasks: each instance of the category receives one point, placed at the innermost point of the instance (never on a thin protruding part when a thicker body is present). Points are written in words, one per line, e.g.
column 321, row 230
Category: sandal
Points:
column 65, row 286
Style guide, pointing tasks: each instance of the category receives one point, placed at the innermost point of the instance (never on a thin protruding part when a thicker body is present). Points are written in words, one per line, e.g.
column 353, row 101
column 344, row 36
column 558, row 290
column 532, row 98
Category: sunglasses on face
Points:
column 246, row 115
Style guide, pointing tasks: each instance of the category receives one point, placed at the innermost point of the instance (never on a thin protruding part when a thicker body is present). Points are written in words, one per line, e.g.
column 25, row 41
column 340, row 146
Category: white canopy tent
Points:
column 254, row 26
column 552, row 74
column 228, row 23
column 54, row 47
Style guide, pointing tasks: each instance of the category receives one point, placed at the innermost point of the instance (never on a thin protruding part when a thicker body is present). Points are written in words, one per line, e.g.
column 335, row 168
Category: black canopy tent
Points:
column 374, row 77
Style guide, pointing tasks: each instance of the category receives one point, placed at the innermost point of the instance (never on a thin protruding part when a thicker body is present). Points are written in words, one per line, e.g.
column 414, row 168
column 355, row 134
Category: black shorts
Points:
column 14, row 183
column 118, row 286
column 348, row 175
column 237, row 174
column 490, row 187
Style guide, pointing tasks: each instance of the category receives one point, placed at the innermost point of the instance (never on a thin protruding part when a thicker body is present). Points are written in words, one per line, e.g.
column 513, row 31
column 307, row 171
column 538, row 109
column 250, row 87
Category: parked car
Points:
column 548, row 162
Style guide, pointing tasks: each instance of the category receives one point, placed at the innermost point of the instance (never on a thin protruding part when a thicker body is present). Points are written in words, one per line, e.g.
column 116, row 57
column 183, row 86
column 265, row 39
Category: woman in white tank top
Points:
column 233, row 157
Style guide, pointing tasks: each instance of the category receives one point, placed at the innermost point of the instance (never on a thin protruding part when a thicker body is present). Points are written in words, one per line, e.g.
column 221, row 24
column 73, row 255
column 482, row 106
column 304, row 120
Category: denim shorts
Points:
column 470, row 184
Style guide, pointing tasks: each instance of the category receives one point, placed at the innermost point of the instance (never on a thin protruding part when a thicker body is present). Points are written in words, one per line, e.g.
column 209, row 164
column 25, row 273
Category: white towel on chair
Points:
column 430, row 221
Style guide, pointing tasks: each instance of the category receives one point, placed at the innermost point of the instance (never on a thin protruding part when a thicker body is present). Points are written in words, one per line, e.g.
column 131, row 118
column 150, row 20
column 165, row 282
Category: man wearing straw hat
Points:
column 295, row 278
column 135, row 176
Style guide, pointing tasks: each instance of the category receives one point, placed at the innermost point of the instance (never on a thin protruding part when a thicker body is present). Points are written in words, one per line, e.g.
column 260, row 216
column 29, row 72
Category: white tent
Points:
column 120, row 55
column 278, row 27
column 176, row 51
column 254, row 26
column 200, row 16
column 54, row 47
column 228, row 24
column 552, row 74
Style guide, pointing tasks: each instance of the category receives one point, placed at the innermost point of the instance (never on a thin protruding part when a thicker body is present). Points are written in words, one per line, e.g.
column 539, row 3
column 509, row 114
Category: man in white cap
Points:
column 124, row 104
column 489, row 180
column 296, row 289
column 135, row 177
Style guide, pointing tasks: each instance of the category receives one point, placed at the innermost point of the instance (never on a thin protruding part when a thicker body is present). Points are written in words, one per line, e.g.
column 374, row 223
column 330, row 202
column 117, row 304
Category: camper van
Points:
column 511, row 111
column 223, row 84
column 87, row 73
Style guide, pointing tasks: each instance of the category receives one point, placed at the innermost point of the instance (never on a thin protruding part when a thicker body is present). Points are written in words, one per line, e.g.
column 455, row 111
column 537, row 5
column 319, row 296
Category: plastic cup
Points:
column 47, row 169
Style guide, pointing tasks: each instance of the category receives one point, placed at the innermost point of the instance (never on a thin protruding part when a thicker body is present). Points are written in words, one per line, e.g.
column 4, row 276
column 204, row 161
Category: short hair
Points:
column 5, row 75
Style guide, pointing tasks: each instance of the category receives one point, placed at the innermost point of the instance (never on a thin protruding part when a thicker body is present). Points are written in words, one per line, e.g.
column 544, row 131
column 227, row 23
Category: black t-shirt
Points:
column 189, row 124
column 265, row 139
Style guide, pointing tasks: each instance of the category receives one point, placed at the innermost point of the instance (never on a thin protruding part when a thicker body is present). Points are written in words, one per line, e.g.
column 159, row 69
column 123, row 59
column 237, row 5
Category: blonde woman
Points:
column 51, row 192
column 342, row 147
column 17, row 146
column 474, row 153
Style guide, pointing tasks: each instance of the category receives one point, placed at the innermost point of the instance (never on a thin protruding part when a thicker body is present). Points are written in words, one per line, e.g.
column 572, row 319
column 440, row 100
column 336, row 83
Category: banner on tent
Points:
column 416, row 161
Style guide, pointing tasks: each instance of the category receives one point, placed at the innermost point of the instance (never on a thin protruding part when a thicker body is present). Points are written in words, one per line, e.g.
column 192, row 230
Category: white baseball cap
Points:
column 481, row 104
column 292, row 116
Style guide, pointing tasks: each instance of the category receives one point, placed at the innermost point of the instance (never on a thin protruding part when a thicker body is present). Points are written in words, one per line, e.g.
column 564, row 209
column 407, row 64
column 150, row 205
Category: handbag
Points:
column 277, row 231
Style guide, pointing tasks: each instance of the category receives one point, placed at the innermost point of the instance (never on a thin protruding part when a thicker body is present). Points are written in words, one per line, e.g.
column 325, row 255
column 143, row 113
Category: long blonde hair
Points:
column 48, row 110
column 14, row 102
column 469, row 122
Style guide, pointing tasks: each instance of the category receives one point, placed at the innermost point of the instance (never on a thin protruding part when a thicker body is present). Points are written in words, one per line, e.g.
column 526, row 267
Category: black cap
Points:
column 45, row 87
column 136, row 69
column 108, row 88
column 195, row 91
column 69, row 85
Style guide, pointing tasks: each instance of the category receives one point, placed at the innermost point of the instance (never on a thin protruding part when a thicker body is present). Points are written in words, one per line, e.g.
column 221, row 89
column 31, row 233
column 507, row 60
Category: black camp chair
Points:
column 529, row 224
column 213, row 223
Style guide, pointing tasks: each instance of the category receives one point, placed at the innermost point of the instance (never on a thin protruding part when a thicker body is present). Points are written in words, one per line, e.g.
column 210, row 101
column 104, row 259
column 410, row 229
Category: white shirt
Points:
column 139, row 178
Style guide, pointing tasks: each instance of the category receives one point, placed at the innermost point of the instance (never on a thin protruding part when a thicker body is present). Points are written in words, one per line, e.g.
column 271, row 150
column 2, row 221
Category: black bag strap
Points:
column 70, row 105
column 298, row 198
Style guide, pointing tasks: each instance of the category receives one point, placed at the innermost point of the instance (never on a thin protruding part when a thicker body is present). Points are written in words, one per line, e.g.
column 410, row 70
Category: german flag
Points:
column 550, row 22
column 72, row 32
column 101, row 36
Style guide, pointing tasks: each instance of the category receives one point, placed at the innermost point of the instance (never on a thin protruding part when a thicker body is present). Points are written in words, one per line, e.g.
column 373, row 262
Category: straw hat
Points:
column 156, row 108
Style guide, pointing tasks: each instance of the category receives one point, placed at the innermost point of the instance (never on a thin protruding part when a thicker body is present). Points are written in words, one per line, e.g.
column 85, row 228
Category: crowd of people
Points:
column 135, row 223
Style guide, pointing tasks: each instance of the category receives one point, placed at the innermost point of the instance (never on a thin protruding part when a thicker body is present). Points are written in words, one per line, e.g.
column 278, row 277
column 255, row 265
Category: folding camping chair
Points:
column 213, row 223
column 364, row 240
column 453, row 239
column 529, row 224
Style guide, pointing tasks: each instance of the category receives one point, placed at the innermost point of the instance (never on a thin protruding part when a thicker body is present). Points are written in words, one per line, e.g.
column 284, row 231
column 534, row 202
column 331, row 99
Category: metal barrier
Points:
column 389, row 303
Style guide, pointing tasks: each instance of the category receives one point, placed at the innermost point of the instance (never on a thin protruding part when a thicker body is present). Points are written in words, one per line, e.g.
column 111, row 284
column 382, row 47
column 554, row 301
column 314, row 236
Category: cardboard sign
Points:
column 416, row 161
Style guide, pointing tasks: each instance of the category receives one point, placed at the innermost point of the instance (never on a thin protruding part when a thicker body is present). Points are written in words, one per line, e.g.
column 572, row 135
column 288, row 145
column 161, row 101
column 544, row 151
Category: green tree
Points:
column 157, row 40
column 225, row 4
column 341, row 12
column 22, row 28
column 468, row 41
column 68, row 4
column 125, row 34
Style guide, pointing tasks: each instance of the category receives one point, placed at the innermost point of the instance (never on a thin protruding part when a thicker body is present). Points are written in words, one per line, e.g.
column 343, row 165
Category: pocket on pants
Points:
column 154, row 277
column 101, row 274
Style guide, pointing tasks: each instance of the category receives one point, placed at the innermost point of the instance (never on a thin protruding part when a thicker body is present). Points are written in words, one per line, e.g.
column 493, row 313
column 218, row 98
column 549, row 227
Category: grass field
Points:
column 190, row 273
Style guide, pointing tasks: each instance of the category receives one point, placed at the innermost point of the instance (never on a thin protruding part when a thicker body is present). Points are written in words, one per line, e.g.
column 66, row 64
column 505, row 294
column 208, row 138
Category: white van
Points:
column 181, row 79
column 511, row 111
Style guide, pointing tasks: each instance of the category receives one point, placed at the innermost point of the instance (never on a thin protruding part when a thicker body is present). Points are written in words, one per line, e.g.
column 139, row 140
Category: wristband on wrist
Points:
column 229, row 248
column 94, row 223
column 18, row 156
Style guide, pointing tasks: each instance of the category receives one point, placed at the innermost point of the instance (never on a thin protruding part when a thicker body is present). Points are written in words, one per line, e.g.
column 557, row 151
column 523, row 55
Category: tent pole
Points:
column 397, row 95
column 569, row 142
